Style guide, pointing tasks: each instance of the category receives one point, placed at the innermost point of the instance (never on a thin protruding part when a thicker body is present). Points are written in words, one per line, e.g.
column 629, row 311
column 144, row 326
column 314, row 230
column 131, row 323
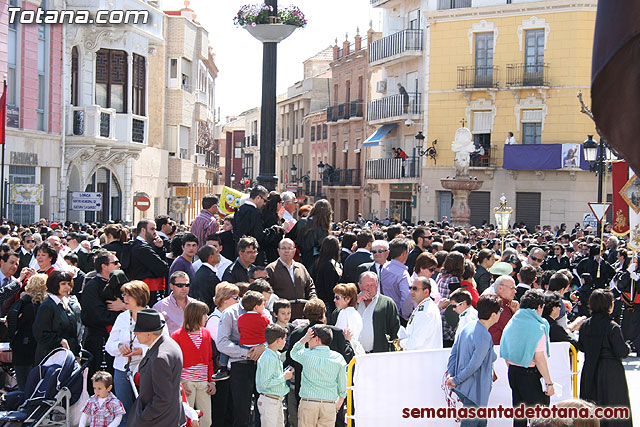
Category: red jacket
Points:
column 190, row 354
column 468, row 286
column 505, row 316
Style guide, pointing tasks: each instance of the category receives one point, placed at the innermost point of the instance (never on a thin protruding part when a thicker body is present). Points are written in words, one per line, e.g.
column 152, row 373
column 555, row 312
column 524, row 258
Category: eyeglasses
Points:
column 287, row 249
column 379, row 251
column 535, row 259
column 181, row 285
column 116, row 262
column 431, row 269
column 29, row 241
column 415, row 288
column 338, row 297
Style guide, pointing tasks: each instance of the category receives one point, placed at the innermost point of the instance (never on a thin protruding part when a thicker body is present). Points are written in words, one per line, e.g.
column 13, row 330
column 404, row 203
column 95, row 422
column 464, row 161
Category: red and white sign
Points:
column 599, row 209
column 142, row 203
column 291, row 186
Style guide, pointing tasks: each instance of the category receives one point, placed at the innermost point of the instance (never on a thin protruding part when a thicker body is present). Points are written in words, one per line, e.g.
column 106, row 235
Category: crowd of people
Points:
column 255, row 316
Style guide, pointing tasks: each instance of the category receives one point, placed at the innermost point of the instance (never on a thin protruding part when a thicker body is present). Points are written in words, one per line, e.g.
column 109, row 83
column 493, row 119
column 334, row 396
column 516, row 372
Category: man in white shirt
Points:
column 424, row 328
column 380, row 319
column 380, row 251
column 461, row 302
column 290, row 204
column 510, row 139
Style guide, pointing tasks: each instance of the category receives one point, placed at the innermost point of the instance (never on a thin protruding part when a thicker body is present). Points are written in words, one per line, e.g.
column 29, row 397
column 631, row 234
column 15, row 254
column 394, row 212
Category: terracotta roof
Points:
column 323, row 55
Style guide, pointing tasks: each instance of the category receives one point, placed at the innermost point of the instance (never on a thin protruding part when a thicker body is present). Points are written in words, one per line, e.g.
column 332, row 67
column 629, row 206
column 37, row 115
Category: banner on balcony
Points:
column 620, row 176
column 544, row 156
column 26, row 194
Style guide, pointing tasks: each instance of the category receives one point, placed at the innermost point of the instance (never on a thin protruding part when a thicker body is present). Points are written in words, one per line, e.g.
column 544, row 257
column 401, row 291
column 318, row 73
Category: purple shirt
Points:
column 204, row 225
column 172, row 312
column 182, row 264
column 394, row 283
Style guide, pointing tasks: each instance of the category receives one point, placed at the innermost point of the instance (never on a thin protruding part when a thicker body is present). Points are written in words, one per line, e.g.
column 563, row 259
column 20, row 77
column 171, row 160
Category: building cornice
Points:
column 507, row 10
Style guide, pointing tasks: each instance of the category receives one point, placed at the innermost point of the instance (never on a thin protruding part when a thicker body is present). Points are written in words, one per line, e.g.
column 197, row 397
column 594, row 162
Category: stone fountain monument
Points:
column 462, row 183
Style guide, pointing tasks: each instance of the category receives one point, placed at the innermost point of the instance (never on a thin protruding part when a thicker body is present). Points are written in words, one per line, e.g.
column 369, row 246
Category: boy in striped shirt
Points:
column 271, row 380
column 324, row 378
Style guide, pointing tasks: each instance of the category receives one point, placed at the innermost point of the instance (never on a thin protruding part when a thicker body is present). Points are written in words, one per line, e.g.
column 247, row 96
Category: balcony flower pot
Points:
column 270, row 33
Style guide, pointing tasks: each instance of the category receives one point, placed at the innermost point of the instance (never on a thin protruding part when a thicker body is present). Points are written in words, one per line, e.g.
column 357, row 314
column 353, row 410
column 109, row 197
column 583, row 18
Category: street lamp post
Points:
column 502, row 215
column 598, row 155
column 233, row 178
column 430, row 151
column 294, row 172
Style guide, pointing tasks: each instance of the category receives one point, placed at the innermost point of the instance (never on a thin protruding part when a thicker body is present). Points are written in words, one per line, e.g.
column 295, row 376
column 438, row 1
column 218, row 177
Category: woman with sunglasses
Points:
column 425, row 266
column 123, row 345
column 558, row 260
column 346, row 300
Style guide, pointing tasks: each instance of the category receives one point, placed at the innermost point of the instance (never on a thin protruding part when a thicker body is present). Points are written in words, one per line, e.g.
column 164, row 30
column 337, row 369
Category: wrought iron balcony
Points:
column 453, row 4
column 477, row 77
column 393, row 168
column 519, row 75
column 342, row 178
column 355, row 109
column 394, row 106
column 344, row 111
column 405, row 42
column 94, row 121
column 332, row 113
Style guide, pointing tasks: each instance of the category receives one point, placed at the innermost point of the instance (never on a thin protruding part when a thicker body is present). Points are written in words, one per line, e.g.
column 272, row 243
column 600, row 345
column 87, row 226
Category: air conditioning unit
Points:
column 200, row 158
column 381, row 86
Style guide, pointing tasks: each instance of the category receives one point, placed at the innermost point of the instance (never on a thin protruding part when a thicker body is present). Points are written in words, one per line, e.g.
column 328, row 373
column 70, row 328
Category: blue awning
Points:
column 382, row 131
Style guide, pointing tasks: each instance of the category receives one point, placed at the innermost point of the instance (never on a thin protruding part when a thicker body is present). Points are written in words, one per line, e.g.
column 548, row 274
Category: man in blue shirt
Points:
column 470, row 367
column 395, row 280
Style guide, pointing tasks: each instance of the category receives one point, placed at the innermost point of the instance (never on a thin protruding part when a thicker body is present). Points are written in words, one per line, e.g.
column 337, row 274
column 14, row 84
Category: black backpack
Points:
column 125, row 257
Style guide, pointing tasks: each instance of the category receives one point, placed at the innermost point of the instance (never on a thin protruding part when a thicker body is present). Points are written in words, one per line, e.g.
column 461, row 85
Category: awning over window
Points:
column 377, row 136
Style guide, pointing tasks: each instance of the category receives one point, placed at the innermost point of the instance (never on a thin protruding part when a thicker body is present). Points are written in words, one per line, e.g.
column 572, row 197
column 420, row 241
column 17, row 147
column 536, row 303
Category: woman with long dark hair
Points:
column 312, row 231
column 115, row 237
column 271, row 214
column 327, row 271
column 448, row 281
column 603, row 379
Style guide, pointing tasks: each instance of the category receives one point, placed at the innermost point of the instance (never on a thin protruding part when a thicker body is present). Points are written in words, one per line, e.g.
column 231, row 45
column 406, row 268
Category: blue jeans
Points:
column 123, row 392
column 471, row 422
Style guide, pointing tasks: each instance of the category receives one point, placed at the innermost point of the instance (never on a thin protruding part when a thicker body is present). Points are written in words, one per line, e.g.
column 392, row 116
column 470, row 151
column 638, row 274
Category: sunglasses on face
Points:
column 535, row 259
column 338, row 297
column 181, row 285
column 415, row 288
column 116, row 262
column 29, row 241
column 378, row 251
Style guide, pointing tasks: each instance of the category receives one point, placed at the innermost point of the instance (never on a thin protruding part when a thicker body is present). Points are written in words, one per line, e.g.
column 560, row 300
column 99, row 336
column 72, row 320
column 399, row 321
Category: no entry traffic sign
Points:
column 142, row 203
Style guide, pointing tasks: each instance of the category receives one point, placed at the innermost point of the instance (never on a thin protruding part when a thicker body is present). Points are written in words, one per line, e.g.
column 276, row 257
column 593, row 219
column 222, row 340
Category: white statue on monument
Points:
column 463, row 147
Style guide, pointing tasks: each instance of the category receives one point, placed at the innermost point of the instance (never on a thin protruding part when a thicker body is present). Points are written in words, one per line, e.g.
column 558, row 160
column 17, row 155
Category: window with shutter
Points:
column 528, row 209
column 139, row 85
column 111, row 79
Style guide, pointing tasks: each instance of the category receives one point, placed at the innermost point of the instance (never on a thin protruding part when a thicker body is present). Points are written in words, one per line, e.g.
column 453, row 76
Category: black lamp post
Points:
column 233, row 178
column 294, row 172
column 597, row 155
column 430, row 151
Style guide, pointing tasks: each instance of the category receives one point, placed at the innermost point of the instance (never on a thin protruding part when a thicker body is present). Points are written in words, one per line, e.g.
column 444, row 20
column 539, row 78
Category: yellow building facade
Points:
column 509, row 68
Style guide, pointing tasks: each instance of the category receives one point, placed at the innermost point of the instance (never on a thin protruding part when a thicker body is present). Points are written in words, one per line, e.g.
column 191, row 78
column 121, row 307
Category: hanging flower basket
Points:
column 264, row 26
column 270, row 33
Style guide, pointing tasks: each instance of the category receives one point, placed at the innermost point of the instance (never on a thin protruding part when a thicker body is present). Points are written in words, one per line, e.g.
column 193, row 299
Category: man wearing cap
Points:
column 159, row 402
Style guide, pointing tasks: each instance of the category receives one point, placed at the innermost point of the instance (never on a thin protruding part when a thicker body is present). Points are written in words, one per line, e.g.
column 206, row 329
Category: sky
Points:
column 238, row 55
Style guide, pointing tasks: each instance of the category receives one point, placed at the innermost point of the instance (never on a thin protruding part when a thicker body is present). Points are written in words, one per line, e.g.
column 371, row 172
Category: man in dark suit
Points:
column 147, row 259
column 165, row 229
column 26, row 252
column 348, row 239
column 359, row 257
column 203, row 286
column 380, row 320
column 159, row 402
column 84, row 257
column 315, row 311
column 9, row 285
column 380, row 251
column 239, row 270
column 422, row 238
column 247, row 221
column 290, row 280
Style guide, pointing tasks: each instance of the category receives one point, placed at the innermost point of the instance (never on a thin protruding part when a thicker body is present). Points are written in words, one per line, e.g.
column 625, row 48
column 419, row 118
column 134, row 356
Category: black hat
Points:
column 149, row 320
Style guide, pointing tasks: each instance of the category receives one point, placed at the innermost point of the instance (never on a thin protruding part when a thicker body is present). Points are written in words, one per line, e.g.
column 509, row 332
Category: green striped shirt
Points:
column 324, row 373
column 270, row 374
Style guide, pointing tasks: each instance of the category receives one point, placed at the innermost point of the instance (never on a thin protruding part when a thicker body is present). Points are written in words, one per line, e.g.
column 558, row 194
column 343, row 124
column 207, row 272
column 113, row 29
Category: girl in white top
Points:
column 226, row 295
column 124, row 346
column 346, row 299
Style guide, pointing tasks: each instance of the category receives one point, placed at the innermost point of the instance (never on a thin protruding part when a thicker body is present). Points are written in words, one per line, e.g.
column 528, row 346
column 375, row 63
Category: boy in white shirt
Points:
column 461, row 301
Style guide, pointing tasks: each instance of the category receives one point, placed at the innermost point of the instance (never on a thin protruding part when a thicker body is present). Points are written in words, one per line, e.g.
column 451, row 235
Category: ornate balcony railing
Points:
column 519, row 75
column 477, row 77
column 394, row 106
column 409, row 40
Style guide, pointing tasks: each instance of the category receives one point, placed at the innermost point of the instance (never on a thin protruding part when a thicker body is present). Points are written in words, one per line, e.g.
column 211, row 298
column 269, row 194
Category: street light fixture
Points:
column 503, row 215
column 590, row 148
column 598, row 155
column 233, row 178
column 430, row 151
column 294, row 172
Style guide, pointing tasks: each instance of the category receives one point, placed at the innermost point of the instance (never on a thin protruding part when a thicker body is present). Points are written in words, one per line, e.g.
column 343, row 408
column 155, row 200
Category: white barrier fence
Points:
column 386, row 386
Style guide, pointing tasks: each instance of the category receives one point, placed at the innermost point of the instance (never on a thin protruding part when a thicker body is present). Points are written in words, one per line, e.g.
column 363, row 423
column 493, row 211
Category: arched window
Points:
column 103, row 181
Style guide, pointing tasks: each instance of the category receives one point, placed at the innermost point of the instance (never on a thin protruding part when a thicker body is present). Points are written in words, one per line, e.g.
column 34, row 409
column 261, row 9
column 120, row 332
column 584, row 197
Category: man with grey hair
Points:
column 612, row 249
column 290, row 205
column 380, row 320
column 505, row 287
column 380, row 251
column 536, row 257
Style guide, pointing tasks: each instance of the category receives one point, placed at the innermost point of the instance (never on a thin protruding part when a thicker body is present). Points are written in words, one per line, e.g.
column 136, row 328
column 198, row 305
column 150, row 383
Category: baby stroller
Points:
column 52, row 387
